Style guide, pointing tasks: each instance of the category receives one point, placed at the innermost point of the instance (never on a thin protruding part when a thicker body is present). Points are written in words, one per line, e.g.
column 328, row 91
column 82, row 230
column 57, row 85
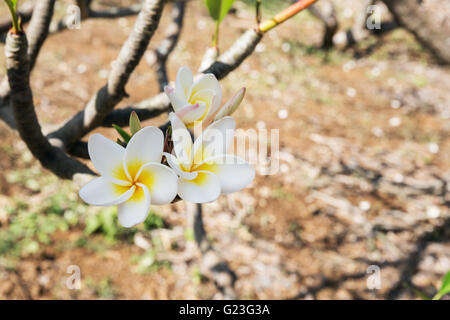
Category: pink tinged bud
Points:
column 210, row 117
column 231, row 105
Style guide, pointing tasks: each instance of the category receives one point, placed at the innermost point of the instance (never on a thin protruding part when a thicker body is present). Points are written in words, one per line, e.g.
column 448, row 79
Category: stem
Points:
column 285, row 15
column 14, row 17
column 216, row 35
column 258, row 12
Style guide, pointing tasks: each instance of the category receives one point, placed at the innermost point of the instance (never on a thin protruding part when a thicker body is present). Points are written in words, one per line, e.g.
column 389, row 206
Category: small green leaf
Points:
column 417, row 292
column 12, row 3
column 420, row 294
column 135, row 124
column 121, row 143
column 122, row 133
column 15, row 19
column 213, row 8
column 445, row 287
column 226, row 6
column 218, row 9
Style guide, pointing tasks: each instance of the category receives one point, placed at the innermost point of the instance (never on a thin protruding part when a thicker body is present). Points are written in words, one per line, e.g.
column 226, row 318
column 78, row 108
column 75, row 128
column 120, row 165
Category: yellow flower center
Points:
column 145, row 177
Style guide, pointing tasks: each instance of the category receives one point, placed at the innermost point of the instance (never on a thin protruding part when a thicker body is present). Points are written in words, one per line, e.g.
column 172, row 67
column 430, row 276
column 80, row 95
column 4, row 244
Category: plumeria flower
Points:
column 131, row 177
column 193, row 100
column 205, row 170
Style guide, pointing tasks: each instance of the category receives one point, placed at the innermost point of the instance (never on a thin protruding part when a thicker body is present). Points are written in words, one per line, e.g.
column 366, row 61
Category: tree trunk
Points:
column 324, row 10
column 428, row 20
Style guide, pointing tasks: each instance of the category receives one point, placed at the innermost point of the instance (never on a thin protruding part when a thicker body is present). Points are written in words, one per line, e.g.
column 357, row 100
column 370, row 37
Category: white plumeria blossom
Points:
column 205, row 170
column 193, row 100
column 131, row 177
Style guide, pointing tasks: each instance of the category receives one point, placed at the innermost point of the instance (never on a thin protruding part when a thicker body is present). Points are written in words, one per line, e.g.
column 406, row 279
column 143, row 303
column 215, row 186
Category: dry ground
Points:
column 363, row 172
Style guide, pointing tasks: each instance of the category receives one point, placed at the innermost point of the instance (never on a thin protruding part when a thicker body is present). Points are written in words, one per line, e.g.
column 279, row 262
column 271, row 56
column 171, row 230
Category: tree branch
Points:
column 38, row 32
column 227, row 62
column 113, row 13
column 18, row 71
column 104, row 101
column 168, row 44
column 325, row 12
column 212, row 264
column 110, row 13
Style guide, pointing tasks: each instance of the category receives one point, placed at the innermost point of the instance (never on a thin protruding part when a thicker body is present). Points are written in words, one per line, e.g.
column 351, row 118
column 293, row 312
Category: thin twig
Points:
column 110, row 13
column 258, row 12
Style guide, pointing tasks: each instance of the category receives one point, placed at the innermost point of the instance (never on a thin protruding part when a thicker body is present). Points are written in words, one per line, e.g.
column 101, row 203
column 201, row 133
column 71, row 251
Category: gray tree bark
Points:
column 428, row 21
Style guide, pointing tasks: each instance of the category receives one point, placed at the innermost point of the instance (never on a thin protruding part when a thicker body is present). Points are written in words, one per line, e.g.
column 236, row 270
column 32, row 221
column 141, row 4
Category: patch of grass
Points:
column 154, row 221
column 106, row 223
column 280, row 193
column 104, row 289
column 197, row 276
column 148, row 262
column 27, row 231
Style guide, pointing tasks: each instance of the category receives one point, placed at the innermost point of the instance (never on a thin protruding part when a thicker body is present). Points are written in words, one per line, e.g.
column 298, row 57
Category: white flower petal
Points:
column 107, row 157
column 145, row 146
column 192, row 113
column 233, row 172
column 175, row 165
column 160, row 180
column 136, row 209
column 208, row 81
column 215, row 140
column 205, row 95
column 102, row 192
column 183, row 82
column 176, row 101
column 182, row 141
column 204, row 188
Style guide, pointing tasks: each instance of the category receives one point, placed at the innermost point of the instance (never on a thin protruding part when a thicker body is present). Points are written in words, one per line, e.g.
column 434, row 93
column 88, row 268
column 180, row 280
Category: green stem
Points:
column 216, row 35
column 14, row 17
column 258, row 12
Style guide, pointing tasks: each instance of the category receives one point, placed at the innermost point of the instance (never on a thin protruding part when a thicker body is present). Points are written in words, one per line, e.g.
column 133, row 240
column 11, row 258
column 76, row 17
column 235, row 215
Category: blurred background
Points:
column 363, row 180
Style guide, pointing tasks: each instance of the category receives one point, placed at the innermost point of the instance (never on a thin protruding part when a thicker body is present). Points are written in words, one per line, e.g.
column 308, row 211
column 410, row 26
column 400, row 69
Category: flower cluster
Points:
column 134, row 173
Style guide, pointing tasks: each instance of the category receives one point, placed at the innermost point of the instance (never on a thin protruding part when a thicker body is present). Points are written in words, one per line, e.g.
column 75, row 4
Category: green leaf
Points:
column 417, row 292
column 122, row 133
column 12, row 3
column 213, row 8
column 420, row 294
column 445, row 287
column 15, row 19
column 218, row 9
column 135, row 124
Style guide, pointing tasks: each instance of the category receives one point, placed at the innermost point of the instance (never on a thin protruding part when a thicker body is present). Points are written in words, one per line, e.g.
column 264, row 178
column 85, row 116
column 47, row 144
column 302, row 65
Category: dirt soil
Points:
column 363, row 176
